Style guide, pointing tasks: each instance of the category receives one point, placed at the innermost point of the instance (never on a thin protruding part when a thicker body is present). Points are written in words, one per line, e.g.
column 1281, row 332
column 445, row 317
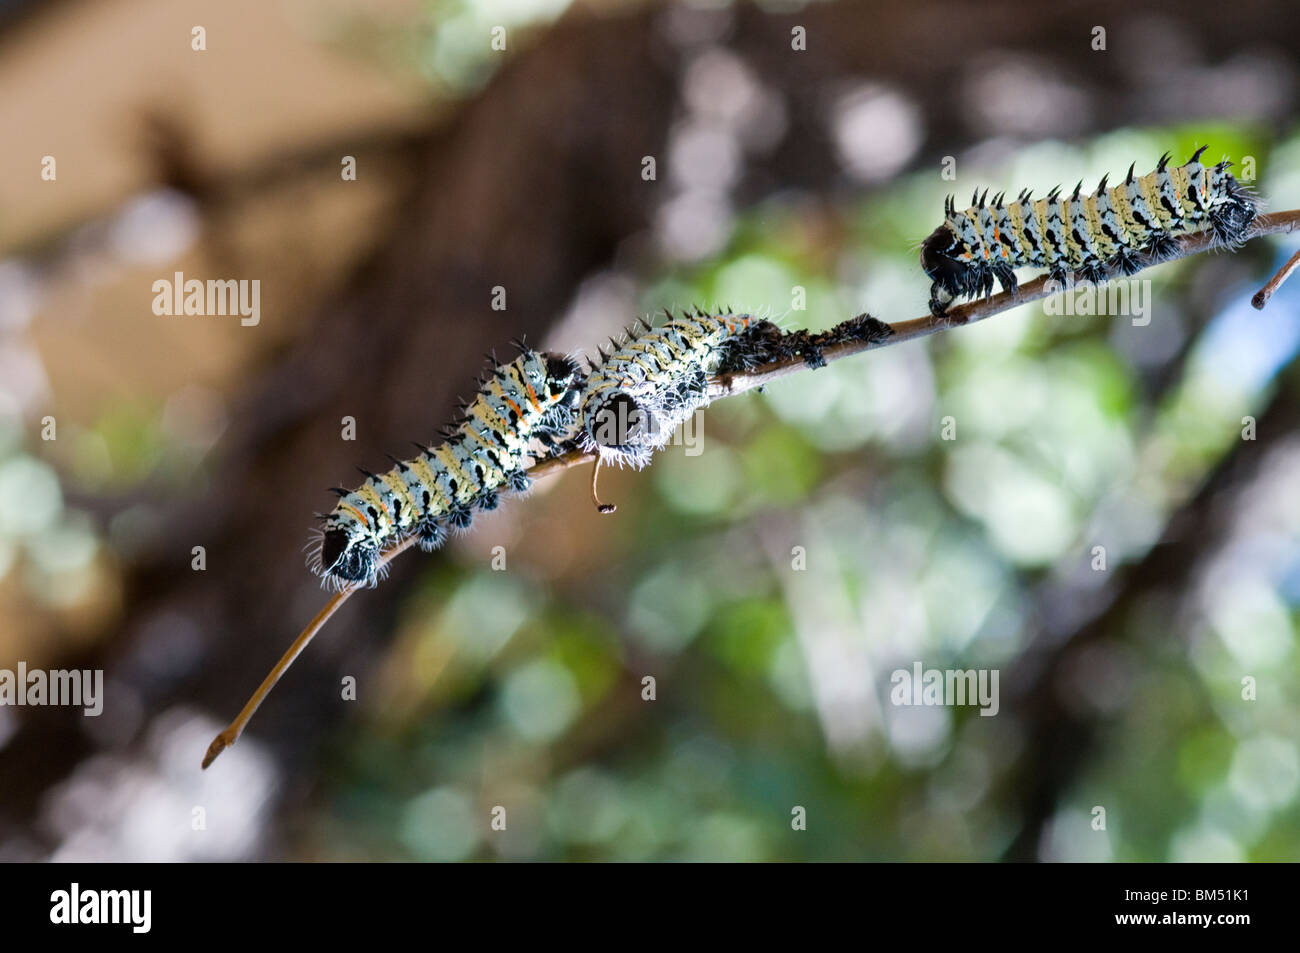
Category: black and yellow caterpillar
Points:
column 652, row 382
column 528, row 399
column 638, row 394
column 1116, row 230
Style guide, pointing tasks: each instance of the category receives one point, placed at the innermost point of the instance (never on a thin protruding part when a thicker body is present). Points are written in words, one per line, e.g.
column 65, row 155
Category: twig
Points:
column 736, row 383
column 232, row 731
column 1266, row 292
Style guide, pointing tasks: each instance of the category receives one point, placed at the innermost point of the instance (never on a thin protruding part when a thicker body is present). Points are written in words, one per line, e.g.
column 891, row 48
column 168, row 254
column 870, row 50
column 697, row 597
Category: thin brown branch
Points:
column 1266, row 292
column 741, row 381
column 231, row 733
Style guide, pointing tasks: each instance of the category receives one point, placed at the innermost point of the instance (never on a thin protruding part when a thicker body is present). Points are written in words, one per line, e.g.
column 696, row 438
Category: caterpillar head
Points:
column 1233, row 207
column 347, row 552
column 941, row 260
column 618, row 427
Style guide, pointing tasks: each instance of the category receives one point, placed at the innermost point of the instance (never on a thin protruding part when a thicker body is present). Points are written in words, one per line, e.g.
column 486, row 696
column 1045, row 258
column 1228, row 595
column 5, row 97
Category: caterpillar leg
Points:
column 940, row 298
column 1161, row 247
column 1126, row 262
column 688, row 392
column 1060, row 275
column 1006, row 278
column 555, row 443
column 519, row 481
column 488, row 500
column 555, row 448
column 460, row 517
column 1093, row 271
column 431, row 536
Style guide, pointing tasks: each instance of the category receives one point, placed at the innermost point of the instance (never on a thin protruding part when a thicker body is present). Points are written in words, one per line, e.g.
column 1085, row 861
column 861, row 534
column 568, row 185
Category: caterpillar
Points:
column 528, row 399
column 1120, row 229
column 637, row 396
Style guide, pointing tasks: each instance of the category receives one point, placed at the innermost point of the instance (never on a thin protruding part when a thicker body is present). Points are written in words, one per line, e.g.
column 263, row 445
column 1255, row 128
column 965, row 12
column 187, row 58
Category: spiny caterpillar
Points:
column 1112, row 230
column 652, row 382
column 530, row 398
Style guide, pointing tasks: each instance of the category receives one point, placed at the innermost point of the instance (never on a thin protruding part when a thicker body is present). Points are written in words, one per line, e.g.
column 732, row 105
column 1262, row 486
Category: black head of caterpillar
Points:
column 653, row 381
column 1115, row 230
column 531, row 398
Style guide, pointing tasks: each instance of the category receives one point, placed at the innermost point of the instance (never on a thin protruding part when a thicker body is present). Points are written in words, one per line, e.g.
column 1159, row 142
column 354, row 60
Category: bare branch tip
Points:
column 219, row 744
column 1277, row 281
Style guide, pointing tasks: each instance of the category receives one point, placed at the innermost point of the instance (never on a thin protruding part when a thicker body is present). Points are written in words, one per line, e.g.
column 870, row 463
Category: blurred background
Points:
column 775, row 169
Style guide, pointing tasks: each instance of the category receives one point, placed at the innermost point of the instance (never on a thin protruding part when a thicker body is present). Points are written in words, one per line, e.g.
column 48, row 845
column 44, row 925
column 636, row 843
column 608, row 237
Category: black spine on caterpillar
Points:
column 531, row 398
column 651, row 383
column 1113, row 230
